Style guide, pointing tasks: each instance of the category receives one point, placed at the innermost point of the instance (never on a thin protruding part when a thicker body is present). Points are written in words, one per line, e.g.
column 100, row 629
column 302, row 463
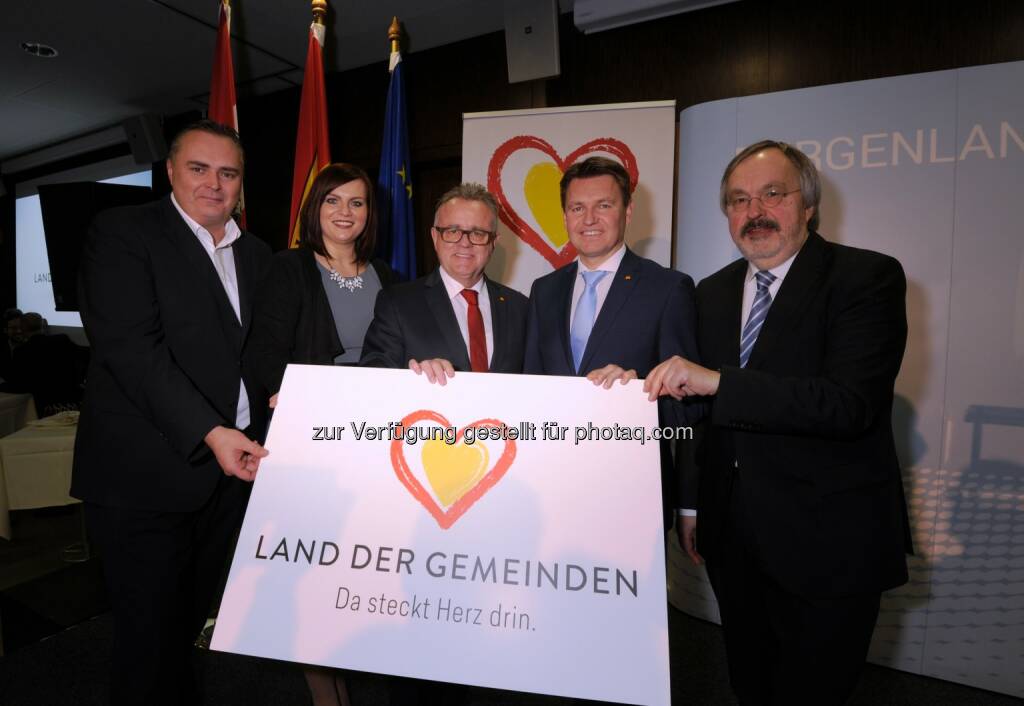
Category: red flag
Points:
column 312, row 147
column 223, row 105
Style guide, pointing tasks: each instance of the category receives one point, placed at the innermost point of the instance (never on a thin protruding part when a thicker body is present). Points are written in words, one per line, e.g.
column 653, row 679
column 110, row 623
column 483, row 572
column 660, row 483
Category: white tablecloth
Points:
column 35, row 468
column 15, row 412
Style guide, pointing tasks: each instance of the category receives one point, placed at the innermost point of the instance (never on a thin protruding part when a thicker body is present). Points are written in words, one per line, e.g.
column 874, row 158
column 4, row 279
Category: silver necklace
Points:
column 349, row 283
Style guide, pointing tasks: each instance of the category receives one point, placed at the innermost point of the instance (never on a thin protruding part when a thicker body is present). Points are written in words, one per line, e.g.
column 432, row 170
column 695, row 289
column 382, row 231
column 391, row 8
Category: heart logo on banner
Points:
column 457, row 474
column 453, row 471
column 540, row 187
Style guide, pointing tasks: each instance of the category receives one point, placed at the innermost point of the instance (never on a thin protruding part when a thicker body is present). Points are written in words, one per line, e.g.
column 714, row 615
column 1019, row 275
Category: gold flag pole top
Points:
column 319, row 11
column 394, row 34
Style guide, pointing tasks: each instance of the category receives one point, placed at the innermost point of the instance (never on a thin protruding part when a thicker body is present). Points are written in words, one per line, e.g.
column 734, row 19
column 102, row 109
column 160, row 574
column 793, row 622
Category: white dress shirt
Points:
column 611, row 266
column 461, row 308
column 223, row 258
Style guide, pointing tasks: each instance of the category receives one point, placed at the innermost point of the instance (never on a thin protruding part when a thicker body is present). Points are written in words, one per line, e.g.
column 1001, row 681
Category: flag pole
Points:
column 396, row 242
column 395, row 35
column 312, row 147
column 223, row 104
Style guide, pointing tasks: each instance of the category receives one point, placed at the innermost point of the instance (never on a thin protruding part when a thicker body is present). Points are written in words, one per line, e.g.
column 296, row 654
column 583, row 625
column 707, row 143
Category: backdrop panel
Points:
column 520, row 156
column 927, row 168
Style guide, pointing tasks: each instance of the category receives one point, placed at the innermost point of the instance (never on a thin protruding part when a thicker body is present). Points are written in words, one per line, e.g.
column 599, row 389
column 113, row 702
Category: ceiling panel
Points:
column 118, row 58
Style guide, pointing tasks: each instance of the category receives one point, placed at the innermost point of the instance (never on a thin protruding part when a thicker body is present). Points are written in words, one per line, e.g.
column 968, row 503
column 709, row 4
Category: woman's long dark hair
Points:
column 330, row 178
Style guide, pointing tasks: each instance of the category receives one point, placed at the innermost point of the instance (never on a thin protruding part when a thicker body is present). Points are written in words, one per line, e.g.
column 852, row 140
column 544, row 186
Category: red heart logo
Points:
column 514, row 221
column 446, row 518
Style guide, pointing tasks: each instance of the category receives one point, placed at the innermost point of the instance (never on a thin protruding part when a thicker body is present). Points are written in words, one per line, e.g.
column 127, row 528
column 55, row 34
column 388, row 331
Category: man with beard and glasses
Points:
column 797, row 487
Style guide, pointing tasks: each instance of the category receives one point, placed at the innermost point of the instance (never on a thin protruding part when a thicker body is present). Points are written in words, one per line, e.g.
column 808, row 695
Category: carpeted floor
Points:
column 70, row 668
column 57, row 633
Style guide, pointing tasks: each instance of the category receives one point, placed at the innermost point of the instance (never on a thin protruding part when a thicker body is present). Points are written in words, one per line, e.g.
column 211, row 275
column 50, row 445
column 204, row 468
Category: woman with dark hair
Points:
column 317, row 301
column 315, row 307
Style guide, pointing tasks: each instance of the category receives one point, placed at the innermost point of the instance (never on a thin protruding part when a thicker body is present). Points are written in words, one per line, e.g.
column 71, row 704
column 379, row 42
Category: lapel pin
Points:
column 501, row 298
column 628, row 277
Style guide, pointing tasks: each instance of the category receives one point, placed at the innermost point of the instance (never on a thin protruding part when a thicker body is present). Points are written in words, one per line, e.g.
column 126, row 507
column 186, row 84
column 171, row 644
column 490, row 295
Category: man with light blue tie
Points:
column 610, row 315
column 797, row 489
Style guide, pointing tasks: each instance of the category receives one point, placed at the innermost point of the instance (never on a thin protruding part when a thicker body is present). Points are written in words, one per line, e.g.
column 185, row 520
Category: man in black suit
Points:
column 163, row 455
column 455, row 318
column 800, row 502
column 611, row 315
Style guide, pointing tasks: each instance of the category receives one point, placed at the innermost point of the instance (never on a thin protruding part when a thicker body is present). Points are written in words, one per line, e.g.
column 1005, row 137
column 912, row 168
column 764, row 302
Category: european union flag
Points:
column 396, row 237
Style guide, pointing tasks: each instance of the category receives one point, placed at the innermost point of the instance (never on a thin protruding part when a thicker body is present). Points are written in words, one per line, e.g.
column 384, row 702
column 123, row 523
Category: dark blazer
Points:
column 293, row 322
column 807, row 424
column 166, row 359
column 648, row 316
column 415, row 320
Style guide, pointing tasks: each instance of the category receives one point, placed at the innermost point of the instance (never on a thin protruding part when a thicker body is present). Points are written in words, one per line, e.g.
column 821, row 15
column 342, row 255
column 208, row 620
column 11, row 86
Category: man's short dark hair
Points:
column 210, row 127
column 595, row 167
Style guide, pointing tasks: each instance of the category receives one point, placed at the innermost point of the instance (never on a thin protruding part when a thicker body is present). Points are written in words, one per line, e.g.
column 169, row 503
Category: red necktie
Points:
column 477, row 339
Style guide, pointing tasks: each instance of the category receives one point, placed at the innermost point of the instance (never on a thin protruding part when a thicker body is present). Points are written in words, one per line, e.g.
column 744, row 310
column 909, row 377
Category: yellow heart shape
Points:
column 541, row 188
column 453, row 470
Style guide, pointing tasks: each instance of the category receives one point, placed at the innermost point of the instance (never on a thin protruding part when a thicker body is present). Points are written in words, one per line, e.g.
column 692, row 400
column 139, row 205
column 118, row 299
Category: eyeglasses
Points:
column 454, row 234
column 770, row 198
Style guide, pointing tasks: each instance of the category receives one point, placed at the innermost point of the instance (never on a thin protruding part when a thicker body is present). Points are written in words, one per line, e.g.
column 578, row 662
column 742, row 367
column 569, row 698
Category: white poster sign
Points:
column 520, row 156
column 502, row 531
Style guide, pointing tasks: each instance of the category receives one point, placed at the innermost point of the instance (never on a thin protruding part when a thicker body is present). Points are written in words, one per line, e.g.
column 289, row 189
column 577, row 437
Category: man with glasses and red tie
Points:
column 797, row 488
column 455, row 318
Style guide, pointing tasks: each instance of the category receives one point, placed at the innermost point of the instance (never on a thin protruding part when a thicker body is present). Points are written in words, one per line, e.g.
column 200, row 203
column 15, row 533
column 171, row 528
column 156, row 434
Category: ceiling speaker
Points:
column 531, row 39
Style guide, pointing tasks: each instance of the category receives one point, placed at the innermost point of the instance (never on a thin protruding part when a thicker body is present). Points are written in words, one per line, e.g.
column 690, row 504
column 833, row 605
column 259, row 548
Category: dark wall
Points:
column 441, row 84
column 733, row 50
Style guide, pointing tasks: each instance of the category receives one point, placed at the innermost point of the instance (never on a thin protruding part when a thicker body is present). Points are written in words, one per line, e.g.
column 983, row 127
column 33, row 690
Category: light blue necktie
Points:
column 758, row 313
column 586, row 313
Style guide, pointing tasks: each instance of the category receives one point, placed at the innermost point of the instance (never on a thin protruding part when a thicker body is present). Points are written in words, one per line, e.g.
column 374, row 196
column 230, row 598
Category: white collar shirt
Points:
column 223, row 258
column 611, row 265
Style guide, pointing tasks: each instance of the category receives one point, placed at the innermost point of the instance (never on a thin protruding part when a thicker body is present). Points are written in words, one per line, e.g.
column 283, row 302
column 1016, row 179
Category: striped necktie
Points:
column 758, row 313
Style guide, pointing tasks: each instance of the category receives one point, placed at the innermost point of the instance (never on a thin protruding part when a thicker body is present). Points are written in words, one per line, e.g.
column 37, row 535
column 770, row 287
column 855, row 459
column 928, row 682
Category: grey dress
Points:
column 352, row 310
